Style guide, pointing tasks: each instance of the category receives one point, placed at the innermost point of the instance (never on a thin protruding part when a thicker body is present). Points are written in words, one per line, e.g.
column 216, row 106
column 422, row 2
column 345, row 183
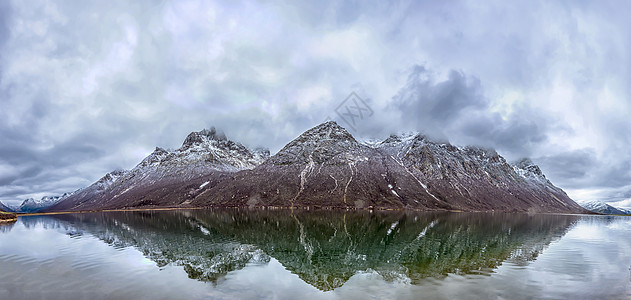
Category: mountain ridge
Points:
column 326, row 167
column 5, row 208
column 32, row 205
column 204, row 157
column 604, row 208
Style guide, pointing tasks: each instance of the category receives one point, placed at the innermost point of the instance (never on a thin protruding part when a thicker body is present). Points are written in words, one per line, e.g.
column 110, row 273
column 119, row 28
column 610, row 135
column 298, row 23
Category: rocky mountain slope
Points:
column 34, row 205
column 326, row 167
column 167, row 178
column 604, row 208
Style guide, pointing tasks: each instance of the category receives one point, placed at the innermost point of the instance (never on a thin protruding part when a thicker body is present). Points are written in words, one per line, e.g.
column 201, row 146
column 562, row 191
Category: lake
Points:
column 267, row 254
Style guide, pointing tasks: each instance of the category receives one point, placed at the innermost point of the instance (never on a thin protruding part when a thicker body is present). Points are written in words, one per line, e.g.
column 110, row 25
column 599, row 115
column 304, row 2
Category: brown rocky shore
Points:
column 7, row 217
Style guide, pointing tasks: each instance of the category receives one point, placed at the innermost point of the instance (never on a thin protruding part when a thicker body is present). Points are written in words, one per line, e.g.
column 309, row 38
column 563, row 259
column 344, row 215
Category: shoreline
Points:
column 292, row 209
column 7, row 217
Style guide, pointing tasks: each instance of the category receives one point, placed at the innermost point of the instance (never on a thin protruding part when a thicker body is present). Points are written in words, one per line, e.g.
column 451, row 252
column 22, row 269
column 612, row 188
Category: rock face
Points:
column 326, row 167
column 31, row 205
column 604, row 208
column 323, row 167
column 167, row 178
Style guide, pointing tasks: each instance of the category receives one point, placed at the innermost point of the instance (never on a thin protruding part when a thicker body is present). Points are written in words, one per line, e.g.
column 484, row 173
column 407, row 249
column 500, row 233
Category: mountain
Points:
column 5, row 208
column 604, row 208
column 31, row 205
column 323, row 167
column 167, row 178
column 327, row 167
column 92, row 192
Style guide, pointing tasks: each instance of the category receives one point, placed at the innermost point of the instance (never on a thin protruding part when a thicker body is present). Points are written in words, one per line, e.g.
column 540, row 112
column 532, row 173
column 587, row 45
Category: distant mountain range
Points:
column 604, row 208
column 32, row 205
column 326, row 167
column 35, row 205
column 4, row 208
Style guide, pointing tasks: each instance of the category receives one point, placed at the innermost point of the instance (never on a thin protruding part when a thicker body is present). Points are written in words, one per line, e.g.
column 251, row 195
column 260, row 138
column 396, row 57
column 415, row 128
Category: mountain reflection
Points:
column 6, row 227
column 326, row 248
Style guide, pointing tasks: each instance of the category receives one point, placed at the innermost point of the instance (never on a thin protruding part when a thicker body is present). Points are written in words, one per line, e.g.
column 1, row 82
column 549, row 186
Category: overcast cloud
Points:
column 87, row 87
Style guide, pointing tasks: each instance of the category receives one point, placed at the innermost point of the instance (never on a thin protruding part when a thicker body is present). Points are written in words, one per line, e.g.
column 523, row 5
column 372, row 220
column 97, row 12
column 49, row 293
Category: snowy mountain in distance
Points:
column 34, row 205
column 168, row 177
column 604, row 208
column 5, row 208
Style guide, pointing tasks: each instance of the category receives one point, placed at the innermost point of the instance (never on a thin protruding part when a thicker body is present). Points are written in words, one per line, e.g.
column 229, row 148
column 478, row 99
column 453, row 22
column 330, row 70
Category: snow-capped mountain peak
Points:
column 604, row 208
column 207, row 149
column 34, row 205
column 525, row 165
column 204, row 136
column 318, row 144
column 327, row 131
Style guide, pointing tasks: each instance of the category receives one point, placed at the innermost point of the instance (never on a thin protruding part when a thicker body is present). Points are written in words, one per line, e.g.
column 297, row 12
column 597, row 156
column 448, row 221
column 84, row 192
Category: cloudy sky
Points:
column 91, row 86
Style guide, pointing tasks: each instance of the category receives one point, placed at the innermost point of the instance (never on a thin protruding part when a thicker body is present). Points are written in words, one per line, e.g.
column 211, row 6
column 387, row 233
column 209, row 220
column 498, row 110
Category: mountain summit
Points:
column 204, row 136
column 320, row 144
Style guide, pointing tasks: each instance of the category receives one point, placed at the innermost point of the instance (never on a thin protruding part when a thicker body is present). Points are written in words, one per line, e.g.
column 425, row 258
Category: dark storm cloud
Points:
column 569, row 167
column 456, row 107
column 442, row 101
column 596, row 177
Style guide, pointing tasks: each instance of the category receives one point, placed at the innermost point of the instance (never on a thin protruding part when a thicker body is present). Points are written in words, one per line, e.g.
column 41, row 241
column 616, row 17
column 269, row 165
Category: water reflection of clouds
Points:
column 269, row 281
column 624, row 224
column 26, row 239
column 592, row 261
column 585, row 231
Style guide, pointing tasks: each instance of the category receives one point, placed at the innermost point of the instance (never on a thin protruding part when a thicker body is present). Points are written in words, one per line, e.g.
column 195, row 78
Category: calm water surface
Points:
column 232, row 254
